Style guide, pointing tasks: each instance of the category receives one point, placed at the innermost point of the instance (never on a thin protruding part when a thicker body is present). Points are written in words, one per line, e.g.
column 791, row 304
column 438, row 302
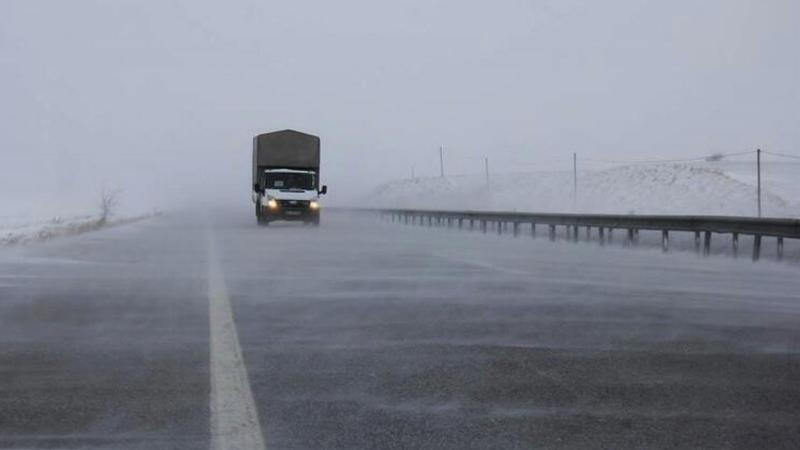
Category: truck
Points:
column 286, row 177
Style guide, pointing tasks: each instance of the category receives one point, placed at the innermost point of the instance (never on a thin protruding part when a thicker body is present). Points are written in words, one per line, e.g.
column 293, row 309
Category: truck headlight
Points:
column 313, row 204
column 272, row 203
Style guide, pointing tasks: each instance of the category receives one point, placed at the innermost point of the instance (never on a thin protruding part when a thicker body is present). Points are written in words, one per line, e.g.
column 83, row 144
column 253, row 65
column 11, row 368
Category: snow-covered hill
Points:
column 637, row 189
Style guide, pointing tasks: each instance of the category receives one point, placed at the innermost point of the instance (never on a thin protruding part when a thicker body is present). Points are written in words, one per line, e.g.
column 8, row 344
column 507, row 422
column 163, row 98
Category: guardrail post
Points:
column 430, row 221
column 552, row 232
column 588, row 233
column 483, row 226
column 575, row 233
column 635, row 236
column 735, row 245
column 471, row 224
column 499, row 227
column 610, row 235
column 516, row 229
column 601, row 234
column 664, row 240
column 697, row 241
column 707, row 244
column 756, row 247
column 629, row 240
column 779, row 254
column 533, row 229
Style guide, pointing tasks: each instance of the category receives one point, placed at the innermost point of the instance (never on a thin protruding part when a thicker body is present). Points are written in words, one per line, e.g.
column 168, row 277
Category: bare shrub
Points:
column 109, row 200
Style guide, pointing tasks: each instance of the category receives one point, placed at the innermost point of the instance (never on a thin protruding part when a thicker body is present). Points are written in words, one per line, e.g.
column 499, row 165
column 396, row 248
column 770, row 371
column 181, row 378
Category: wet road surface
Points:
column 363, row 334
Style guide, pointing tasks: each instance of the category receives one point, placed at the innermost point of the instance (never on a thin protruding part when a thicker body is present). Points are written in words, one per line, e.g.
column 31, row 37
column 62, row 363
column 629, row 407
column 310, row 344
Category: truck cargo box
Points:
column 287, row 149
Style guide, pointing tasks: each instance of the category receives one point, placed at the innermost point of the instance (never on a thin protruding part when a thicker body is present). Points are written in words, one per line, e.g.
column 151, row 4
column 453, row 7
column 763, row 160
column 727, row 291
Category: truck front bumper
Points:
column 303, row 213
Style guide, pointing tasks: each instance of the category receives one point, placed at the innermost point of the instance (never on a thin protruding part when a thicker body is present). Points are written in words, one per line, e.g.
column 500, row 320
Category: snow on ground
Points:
column 714, row 188
column 26, row 228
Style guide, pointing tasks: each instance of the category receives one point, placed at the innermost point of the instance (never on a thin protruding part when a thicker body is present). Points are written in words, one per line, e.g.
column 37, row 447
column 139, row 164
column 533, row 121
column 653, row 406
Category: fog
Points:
column 162, row 98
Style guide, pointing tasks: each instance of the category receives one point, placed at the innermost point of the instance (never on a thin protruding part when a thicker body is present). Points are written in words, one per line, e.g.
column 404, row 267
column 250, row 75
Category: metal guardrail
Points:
column 606, row 223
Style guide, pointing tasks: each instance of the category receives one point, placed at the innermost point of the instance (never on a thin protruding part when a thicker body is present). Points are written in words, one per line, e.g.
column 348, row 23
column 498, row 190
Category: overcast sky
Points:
column 162, row 98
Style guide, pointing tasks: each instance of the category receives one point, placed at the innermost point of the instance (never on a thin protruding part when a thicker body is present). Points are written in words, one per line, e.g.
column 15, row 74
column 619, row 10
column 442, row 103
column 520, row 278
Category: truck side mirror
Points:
column 324, row 190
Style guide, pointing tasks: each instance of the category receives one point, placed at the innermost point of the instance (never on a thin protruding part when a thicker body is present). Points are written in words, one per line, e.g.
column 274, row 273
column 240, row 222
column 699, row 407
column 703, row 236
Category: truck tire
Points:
column 259, row 217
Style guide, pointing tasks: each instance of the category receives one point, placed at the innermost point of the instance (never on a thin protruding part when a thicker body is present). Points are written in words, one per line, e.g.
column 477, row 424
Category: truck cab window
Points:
column 289, row 180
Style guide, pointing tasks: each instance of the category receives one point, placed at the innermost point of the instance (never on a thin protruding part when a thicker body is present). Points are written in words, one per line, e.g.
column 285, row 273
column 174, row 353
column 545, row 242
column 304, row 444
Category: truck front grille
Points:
column 294, row 204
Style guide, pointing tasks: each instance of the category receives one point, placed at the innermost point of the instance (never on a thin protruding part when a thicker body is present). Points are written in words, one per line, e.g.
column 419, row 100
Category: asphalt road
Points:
column 203, row 330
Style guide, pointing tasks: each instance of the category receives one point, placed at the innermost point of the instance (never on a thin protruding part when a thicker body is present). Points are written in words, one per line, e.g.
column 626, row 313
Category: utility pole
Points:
column 441, row 161
column 486, row 166
column 758, row 184
column 574, row 180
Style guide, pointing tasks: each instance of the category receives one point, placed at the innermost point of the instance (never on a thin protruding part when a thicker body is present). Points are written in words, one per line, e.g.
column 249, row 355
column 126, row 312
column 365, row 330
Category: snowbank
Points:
column 638, row 189
column 17, row 231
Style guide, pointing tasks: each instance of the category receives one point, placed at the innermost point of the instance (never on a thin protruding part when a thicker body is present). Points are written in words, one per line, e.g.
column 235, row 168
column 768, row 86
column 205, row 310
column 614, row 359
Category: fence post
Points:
column 664, row 240
column 575, row 233
column 629, row 241
column 756, row 247
column 707, row 244
column 552, row 232
column 601, row 234
column 735, row 245
column 483, row 226
column 533, row 229
column 588, row 233
column 779, row 254
column 499, row 227
column 697, row 241
column 516, row 229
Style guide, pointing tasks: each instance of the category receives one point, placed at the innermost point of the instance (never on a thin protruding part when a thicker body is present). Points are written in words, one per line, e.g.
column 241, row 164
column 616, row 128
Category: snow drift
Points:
column 637, row 189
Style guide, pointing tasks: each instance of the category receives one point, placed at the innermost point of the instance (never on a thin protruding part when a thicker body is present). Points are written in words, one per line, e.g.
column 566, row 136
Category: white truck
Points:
column 286, row 182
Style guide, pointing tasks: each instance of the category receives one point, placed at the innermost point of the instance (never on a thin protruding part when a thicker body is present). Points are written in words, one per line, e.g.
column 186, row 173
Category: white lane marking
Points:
column 234, row 418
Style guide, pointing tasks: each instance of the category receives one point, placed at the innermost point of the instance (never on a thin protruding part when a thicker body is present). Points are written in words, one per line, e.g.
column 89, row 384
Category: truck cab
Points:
column 290, row 194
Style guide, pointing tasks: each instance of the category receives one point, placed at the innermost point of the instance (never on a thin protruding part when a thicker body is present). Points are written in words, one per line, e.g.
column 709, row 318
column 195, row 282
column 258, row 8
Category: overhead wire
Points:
column 664, row 161
column 783, row 155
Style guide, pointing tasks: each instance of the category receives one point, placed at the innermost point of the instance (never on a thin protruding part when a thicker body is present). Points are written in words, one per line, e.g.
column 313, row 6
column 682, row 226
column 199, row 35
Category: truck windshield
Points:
column 289, row 180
